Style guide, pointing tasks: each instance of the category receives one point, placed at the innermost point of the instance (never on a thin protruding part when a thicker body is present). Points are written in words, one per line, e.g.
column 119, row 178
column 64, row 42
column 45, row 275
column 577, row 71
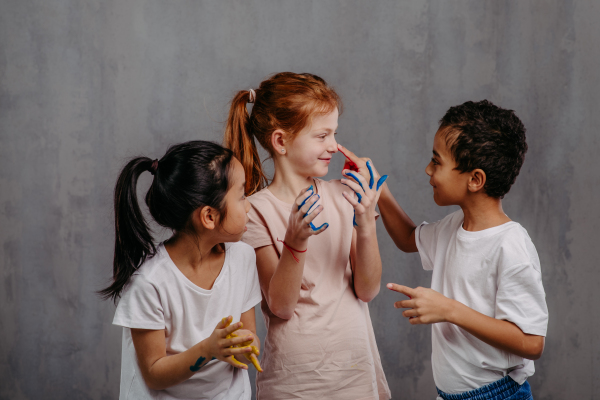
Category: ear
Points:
column 476, row 180
column 278, row 141
column 205, row 217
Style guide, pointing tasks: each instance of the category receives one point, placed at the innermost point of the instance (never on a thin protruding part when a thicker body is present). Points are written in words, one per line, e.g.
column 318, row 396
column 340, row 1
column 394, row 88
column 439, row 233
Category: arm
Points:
column 398, row 225
column 161, row 371
column 428, row 307
column 280, row 277
column 366, row 263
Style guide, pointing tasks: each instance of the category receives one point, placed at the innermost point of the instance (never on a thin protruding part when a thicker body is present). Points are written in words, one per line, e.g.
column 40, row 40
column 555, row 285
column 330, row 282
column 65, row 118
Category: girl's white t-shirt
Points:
column 160, row 297
column 496, row 272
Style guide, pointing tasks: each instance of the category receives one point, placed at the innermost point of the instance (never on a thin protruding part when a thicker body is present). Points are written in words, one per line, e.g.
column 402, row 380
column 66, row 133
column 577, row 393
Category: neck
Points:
column 287, row 183
column 483, row 212
column 190, row 251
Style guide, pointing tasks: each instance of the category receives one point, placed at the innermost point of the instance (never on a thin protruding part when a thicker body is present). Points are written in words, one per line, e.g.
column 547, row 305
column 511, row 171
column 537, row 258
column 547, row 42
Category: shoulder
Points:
column 515, row 247
column 449, row 223
column 332, row 186
column 241, row 249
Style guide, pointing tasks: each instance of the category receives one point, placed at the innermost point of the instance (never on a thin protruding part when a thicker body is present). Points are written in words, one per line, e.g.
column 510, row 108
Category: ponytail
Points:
column 239, row 139
column 189, row 176
column 133, row 241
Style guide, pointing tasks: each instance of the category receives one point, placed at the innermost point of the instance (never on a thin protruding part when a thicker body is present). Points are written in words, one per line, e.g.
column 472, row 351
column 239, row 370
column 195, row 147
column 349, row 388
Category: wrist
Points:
column 452, row 311
column 366, row 229
column 296, row 243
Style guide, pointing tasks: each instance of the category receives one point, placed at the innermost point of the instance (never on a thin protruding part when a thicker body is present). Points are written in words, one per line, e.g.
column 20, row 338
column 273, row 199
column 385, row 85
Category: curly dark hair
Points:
column 482, row 135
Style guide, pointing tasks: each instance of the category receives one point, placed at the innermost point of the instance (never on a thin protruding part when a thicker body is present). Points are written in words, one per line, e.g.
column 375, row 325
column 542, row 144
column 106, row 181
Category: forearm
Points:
column 172, row 370
column 284, row 287
column 397, row 223
column 500, row 334
column 366, row 264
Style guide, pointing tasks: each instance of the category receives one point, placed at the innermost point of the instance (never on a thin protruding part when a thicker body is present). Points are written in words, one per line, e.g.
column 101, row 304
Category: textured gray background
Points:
column 86, row 84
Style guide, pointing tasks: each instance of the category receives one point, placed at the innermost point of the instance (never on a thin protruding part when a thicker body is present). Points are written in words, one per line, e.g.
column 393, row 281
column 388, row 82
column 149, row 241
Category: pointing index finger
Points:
column 350, row 157
column 402, row 289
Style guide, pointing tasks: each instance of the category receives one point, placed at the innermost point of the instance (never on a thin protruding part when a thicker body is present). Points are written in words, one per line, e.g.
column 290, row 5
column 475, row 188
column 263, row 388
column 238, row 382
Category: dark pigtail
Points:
column 189, row 176
column 133, row 241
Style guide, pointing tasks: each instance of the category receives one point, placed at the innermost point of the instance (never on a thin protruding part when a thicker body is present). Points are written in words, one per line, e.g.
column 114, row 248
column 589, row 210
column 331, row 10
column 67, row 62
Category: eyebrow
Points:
column 435, row 153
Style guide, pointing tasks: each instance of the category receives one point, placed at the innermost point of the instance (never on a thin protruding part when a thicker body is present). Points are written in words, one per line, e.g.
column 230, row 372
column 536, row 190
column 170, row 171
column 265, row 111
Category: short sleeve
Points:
column 521, row 299
column 253, row 295
column 426, row 240
column 257, row 234
column 140, row 306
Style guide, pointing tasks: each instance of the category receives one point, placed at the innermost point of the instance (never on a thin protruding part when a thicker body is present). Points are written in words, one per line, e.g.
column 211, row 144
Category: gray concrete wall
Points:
column 86, row 84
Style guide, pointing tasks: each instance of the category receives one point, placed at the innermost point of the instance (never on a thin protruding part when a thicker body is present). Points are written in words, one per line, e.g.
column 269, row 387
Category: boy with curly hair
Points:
column 486, row 304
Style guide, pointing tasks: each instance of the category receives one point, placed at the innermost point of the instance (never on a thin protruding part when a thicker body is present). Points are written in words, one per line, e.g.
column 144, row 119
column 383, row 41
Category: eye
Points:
column 433, row 160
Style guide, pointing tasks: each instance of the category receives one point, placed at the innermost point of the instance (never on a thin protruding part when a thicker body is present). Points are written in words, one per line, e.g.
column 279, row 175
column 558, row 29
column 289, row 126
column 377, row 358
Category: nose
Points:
column 333, row 147
column 429, row 169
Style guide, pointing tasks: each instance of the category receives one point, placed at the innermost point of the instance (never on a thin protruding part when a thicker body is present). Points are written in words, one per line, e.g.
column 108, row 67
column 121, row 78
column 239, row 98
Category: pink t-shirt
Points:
column 327, row 349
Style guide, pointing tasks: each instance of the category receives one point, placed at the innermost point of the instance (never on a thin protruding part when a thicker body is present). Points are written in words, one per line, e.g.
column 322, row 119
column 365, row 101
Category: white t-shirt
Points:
column 160, row 297
column 495, row 272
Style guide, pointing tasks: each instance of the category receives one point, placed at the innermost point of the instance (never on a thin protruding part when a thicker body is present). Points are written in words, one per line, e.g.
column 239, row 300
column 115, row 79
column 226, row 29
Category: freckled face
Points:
column 237, row 206
column 311, row 150
column 449, row 185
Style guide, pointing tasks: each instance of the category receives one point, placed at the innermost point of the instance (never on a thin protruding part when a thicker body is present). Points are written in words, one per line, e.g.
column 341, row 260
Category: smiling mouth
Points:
column 325, row 159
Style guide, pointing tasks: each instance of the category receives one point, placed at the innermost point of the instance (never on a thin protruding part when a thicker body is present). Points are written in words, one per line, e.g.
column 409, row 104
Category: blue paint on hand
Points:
column 314, row 228
column 312, row 206
column 196, row 367
column 371, row 180
column 356, row 179
column 380, row 181
column 306, row 199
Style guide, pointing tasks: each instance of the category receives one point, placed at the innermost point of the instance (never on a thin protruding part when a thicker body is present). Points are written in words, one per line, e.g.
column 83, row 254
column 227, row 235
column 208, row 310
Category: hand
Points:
column 300, row 226
column 362, row 165
column 222, row 346
column 426, row 305
column 252, row 356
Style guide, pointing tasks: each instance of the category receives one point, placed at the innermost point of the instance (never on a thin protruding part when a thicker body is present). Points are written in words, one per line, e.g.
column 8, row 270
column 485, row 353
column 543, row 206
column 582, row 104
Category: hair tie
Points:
column 154, row 167
column 251, row 95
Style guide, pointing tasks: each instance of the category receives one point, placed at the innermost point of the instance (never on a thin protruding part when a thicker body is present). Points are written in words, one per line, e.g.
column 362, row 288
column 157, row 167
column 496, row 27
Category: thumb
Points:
column 402, row 289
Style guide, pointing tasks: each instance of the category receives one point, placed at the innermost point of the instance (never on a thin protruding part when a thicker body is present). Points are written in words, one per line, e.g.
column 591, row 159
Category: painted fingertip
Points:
column 381, row 181
column 390, row 286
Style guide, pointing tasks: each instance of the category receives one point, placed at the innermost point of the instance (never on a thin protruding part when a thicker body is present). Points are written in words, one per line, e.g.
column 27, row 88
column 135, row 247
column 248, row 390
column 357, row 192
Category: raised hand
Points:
column 300, row 226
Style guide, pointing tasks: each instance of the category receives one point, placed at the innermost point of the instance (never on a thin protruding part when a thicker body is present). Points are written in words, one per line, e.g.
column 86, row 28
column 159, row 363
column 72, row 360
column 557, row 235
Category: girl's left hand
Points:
column 367, row 193
column 426, row 306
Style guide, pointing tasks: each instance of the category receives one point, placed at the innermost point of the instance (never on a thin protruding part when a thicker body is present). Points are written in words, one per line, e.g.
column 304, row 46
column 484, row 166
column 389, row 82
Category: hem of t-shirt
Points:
column 255, row 300
column 531, row 329
column 139, row 325
column 426, row 265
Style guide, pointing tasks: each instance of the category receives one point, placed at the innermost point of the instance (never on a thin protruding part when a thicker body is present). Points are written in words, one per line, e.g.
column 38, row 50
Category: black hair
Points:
column 190, row 175
column 483, row 136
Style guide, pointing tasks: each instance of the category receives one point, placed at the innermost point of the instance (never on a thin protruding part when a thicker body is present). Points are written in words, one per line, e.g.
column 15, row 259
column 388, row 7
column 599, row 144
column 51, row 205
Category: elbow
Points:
column 153, row 384
column 368, row 295
column 536, row 348
column 281, row 311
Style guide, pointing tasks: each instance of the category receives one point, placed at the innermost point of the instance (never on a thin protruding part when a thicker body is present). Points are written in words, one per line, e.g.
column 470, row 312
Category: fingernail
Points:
column 389, row 285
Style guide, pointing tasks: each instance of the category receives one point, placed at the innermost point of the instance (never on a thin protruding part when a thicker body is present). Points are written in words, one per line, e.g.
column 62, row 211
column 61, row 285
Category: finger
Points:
column 372, row 178
column 224, row 323
column 232, row 351
column 353, row 201
column 310, row 217
column 354, row 186
column 405, row 304
column 410, row 313
column 402, row 289
column 415, row 321
column 311, row 207
column 350, row 156
column 309, row 204
column 320, row 229
column 236, row 341
column 358, row 178
column 252, row 358
column 381, row 181
column 231, row 360
column 233, row 327
column 300, row 200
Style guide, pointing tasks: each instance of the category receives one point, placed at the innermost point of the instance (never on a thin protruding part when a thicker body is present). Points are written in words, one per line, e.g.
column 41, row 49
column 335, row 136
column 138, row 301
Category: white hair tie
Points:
column 252, row 96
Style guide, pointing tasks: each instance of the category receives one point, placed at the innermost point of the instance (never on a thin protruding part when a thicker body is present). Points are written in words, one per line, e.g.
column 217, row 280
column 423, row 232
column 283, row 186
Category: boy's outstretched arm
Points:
column 398, row 225
column 427, row 306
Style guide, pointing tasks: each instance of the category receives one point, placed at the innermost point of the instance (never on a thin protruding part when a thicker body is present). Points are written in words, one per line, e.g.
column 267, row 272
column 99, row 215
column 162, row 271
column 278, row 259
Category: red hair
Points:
column 285, row 101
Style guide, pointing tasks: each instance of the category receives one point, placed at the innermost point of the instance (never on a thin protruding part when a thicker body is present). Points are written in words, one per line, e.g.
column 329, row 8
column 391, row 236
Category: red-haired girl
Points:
column 317, row 270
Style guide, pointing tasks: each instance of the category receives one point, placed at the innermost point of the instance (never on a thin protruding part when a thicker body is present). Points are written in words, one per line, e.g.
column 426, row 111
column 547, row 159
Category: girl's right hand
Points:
column 219, row 347
column 300, row 226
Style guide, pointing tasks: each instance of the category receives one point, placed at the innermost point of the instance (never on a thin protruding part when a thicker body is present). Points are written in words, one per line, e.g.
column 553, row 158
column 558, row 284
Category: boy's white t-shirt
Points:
column 495, row 272
column 160, row 297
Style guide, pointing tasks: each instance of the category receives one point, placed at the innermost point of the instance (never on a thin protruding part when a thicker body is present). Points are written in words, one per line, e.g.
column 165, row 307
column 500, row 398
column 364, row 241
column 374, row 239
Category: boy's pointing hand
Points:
column 425, row 306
